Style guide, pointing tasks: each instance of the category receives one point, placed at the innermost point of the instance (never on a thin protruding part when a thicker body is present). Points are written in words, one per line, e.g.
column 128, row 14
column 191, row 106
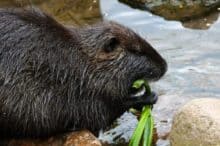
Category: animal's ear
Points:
column 111, row 45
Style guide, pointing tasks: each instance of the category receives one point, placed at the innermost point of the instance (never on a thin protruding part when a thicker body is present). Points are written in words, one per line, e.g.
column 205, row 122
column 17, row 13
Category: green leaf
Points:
column 138, row 83
column 144, row 130
column 148, row 131
column 136, row 137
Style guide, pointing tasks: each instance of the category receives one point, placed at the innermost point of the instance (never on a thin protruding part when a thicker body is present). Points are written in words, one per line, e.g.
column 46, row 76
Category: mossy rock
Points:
column 176, row 9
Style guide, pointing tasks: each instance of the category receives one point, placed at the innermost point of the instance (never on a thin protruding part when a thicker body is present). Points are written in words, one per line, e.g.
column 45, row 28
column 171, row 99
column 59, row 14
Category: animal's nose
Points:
column 157, row 59
column 157, row 70
column 163, row 68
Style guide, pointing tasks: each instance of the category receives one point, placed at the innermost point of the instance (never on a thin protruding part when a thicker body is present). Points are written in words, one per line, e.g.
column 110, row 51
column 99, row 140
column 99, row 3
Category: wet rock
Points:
column 121, row 130
column 202, row 23
column 197, row 124
column 82, row 138
column 175, row 9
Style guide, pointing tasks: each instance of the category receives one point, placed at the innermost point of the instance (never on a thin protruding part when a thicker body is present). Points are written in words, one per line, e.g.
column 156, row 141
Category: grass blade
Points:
column 148, row 131
column 144, row 131
column 136, row 137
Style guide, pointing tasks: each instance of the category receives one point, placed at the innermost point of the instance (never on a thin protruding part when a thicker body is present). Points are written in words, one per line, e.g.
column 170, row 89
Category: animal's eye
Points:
column 111, row 45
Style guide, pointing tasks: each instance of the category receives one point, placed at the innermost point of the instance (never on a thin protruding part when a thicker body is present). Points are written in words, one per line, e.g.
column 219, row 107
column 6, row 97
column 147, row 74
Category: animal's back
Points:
column 29, row 43
column 20, row 37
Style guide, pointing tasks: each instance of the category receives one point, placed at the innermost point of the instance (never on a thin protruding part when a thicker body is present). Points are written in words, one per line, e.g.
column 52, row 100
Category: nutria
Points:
column 54, row 78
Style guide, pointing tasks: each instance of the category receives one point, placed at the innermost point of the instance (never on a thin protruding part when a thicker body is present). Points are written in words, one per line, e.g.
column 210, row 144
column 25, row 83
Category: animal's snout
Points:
column 163, row 67
column 157, row 67
column 159, row 64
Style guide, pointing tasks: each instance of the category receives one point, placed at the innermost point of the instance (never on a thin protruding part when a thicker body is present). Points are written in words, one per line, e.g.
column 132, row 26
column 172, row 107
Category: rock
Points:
column 175, row 9
column 68, row 12
column 81, row 138
column 197, row 124
column 203, row 22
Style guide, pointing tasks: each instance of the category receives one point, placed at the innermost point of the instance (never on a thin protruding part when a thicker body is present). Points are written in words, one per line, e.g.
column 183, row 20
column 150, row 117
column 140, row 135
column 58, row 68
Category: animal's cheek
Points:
column 115, row 55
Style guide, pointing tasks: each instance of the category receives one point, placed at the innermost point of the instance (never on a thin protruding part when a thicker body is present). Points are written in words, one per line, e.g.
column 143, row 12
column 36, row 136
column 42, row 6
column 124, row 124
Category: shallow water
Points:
column 193, row 56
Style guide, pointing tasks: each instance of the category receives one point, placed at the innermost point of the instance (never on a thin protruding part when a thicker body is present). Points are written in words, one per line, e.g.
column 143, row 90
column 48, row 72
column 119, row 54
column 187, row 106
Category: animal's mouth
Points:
column 140, row 95
column 138, row 92
column 140, row 88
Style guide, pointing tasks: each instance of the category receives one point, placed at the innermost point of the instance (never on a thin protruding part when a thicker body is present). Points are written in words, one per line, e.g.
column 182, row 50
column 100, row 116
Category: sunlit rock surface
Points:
column 175, row 9
column 182, row 10
column 69, row 12
column 197, row 124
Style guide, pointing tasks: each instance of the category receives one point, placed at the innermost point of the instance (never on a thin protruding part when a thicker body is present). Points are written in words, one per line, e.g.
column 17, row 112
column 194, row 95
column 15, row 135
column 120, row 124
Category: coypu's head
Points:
column 117, row 57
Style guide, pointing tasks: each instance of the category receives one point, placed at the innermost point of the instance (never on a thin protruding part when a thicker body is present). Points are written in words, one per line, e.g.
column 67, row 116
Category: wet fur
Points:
column 54, row 79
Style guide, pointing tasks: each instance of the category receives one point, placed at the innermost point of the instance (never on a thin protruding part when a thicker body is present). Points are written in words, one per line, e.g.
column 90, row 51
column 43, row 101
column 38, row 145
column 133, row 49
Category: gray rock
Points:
column 197, row 124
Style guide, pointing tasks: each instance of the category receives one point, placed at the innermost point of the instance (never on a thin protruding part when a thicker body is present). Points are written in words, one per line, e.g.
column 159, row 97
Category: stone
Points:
column 68, row 12
column 197, row 124
column 80, row 138
column 182, row 10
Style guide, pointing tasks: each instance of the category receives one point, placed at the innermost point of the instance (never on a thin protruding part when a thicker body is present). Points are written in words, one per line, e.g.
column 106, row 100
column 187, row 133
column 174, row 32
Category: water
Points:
column 193, row 56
